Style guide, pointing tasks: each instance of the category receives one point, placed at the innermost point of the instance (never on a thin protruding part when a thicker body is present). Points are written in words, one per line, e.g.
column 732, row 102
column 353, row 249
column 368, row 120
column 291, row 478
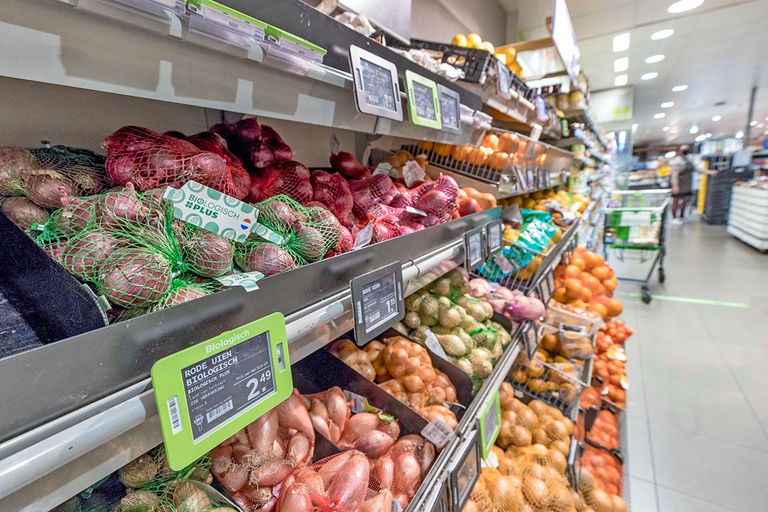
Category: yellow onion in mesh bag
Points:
column 504, row 490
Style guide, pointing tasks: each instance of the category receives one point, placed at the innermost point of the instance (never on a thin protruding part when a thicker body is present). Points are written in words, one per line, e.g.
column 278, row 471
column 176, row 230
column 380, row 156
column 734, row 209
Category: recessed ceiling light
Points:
column 621, row 64
column 669, row 154
column 662, row 34
column 660, row 115
column 665, row 129
column 752, row 123
column 700, row 138
column 694, row 130
column 621, row 42
column 739, row 134
column 716, row 118
column 707, row 135
column 653, row 59
column 683, row 6
column 668, row 104
column 679, row 88
column 649, row 76
column 620, row 80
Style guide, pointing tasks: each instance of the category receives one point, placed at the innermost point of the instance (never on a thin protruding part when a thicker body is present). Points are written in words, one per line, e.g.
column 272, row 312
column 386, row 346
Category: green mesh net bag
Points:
column 288, row 235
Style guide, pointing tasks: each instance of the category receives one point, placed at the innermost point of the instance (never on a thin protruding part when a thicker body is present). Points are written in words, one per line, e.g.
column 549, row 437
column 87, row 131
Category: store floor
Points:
column 698, row 373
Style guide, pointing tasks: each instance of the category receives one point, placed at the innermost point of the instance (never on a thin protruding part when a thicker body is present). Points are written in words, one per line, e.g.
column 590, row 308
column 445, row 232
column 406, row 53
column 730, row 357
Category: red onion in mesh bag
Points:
column 283, row 177
column 122, row 208
column 280, row 216
column 346, row 241
column 23, row 212
column 85, row 255
column 215, row 143
column 367, row 192
column 134, row 277
column 208, row 254
column 309, row 243
column 438, row 198
column 15, row 163
column 55, row 249
column 332, row 190
column 49, row 189
column 264, row 257
column 183, row 294
column 348, row 165
column 275, row 143
column 327, row 223
column 75, row 215
column 236, row 134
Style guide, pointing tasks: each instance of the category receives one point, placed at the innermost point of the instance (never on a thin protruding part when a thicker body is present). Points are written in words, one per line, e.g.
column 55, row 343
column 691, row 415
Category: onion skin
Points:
column 135, row 278
column 23, row 212
column 85, row 255
column 264, row 257
column 208, row 254
column 49, row 189
column 15, row 163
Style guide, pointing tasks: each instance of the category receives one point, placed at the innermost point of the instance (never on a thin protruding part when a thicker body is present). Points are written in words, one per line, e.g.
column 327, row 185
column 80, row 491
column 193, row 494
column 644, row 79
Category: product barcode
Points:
column 173, row 412
column 437, row 432
column 218, row 411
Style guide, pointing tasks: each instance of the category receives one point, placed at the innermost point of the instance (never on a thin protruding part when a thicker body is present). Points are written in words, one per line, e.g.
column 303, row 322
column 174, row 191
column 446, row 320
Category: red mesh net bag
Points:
column 332, row 190
column 285, row 177
column 148, row 160
column 368, row 192
column 438, row 199
column 257, row 145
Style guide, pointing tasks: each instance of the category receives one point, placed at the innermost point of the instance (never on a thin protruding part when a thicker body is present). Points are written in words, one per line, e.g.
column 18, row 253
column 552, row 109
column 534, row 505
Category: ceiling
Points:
column 720, row 50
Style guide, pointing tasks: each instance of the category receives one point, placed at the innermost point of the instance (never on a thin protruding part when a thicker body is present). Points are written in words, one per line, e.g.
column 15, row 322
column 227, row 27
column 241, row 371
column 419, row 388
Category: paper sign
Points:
column 363, row 237
column 334, row 144
column 209, row 391
column 473, row 248
column 209, row 209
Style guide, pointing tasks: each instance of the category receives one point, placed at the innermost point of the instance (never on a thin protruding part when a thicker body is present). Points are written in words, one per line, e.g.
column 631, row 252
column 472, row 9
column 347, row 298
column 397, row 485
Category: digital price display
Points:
column 375, row 84
column 473, row 248
column 423, row 103
column 503, row 80
column 531, row 341
column 450, row 109
column 494, row 236
column 207, row 392
column 464, row 471
column 489, row 424
column 377, row 300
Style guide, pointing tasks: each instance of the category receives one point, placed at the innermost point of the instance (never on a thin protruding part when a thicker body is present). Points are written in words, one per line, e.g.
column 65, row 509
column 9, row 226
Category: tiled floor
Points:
column 698, row 399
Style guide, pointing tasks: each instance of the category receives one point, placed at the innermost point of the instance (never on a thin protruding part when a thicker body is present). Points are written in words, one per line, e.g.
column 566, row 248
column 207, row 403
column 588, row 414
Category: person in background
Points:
column 681, row 179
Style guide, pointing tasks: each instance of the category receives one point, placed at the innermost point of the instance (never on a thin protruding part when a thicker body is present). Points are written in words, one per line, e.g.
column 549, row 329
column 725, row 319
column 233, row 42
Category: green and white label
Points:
column 209, row 209
column 489, row 423
column 247, row 280
column 209, row 391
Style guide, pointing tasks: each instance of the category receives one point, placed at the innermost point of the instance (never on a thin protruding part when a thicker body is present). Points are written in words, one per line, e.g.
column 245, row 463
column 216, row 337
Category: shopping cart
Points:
column 635, row 229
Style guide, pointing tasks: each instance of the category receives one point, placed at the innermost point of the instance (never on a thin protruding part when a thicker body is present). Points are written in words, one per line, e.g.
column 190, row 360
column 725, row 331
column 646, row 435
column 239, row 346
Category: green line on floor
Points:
column 690, row 300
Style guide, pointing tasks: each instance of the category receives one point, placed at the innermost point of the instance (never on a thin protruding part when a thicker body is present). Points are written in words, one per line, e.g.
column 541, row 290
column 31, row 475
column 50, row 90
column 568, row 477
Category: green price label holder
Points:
column 489, row 424
column 423, row 101
column 208, row 392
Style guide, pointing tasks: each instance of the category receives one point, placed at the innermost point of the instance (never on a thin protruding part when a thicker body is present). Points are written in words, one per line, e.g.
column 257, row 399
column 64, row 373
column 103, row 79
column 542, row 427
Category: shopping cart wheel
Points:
column 662, row 276
column 646, row 295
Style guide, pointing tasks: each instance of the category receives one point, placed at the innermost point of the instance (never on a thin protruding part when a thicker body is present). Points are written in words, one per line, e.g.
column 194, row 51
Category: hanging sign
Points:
column 377, row 301
column 375, row 84
column 209, row 391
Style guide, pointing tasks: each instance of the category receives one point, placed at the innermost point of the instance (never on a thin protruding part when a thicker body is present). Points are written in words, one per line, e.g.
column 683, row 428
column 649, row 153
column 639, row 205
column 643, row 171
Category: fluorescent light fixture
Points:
column 649, row 76
column 683, row 6
column 669, row 154
column 679, row 88
column 660, row 115
column 665, row 129
column 740, row 134
column 620, row 80
column 668, row 104
column 621, row 42
column 752, row 123
column 621, row 64
column 700, row 138
column 717, row 118
column 653, row 59
column 694, row 130
column 662, row 34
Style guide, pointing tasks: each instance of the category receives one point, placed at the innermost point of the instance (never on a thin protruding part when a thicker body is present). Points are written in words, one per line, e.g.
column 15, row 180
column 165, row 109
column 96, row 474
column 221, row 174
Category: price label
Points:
column 465, row 470
column 489, row 423
column 377, row 300
column 423, row 102
column 493, row 235
column 437, row 433
column 473, row 248
column 531, row 343
column 503, row 79
column 209, row 391
column 375, row 84
column 450, row 109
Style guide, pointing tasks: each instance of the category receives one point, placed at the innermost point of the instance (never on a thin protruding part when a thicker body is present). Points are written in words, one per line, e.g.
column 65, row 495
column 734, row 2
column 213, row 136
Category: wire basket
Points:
column 547, row 383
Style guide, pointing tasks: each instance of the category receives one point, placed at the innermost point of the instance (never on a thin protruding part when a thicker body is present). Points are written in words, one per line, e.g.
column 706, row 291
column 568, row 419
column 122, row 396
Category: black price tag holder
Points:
column 494, row 233
column 375, row 84
column 503, row 80
column 377, row 301
column 450, row 109
column 438, row 500
column 474, row 248
column 464, row 470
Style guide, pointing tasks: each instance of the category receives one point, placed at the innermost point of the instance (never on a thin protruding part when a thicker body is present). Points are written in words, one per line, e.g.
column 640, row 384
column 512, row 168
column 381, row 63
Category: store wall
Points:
column 33, row 112
column 440, row 20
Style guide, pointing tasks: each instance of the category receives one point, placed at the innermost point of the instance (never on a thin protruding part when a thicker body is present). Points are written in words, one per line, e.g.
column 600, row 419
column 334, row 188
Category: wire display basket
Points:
column 547, row 383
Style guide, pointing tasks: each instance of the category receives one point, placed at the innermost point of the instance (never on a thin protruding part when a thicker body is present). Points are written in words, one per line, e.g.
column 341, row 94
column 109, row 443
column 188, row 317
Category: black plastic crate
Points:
column 40, row 302
column 474, row 62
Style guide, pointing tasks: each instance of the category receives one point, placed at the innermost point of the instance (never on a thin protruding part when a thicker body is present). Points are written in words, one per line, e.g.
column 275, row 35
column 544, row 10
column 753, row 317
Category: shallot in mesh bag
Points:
column 332, row 190
column 438, row 199
column 148, row 160
column 14, row 164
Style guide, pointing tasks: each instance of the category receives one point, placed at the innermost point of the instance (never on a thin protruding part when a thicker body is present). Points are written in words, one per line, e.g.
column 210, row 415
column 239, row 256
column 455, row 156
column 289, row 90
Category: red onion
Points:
column 49, row 189
column 208, row 254
column 264, row 257
column 134, row 277
column 84, row 255
column 309, row 243
column 348, row 165
column 23, row 212
column 120, row 209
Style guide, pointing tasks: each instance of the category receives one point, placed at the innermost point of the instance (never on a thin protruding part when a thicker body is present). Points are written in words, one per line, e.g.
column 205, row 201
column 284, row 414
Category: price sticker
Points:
column 437, row 433
column 473, row 248
column 423, row 101
column 450, row 109
column 375, row 84
column 377, row 301
column 531, row 343
column 503, row 79
column 209, row 391
column 493, row 235
column 489, row 424
column 413, row 173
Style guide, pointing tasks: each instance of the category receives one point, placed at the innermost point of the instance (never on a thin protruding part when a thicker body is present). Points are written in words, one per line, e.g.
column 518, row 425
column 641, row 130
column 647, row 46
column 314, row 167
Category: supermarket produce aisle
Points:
column 698, row 397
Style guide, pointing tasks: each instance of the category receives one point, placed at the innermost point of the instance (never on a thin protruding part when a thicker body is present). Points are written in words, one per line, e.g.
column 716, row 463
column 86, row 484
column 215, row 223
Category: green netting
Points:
column 287, row 235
